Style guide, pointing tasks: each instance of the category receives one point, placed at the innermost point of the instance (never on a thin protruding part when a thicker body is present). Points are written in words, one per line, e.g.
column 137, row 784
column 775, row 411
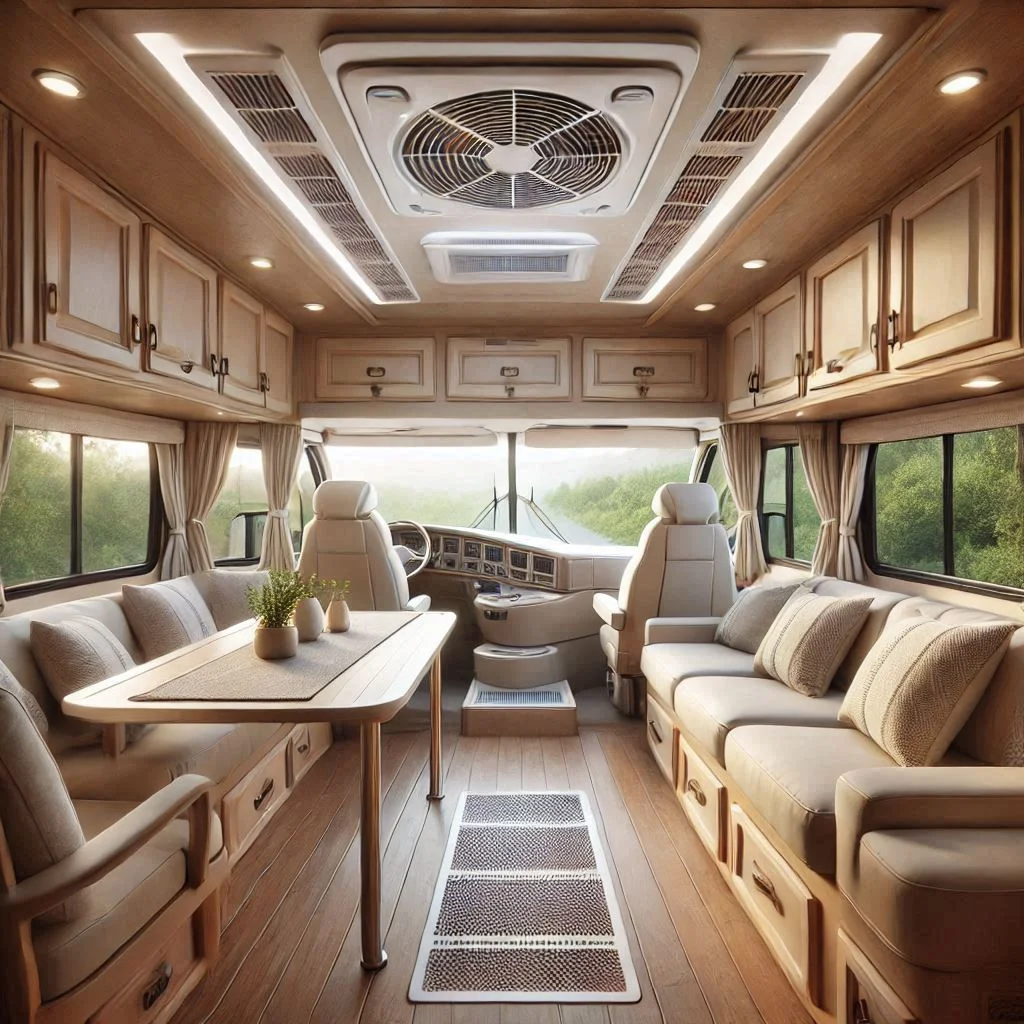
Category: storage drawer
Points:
column 148, row 995
column 249, row 804
column 704, row 800
column 665, row 369
column 864, row 995
column 506, row 368
column 661, row 738
column 306, row 743
column 785, row 912
column 400, row 369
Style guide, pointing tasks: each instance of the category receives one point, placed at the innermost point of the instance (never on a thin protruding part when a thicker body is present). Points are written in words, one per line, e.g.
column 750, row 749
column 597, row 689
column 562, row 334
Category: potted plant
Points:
column 338, row 617
column 273, row 605
column 309, row 612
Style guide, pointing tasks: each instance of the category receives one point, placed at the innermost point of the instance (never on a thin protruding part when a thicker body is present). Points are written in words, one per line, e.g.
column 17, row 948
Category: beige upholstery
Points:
column 224, row 591
column 683, row 567
column 664, row 665
column 710, row 707
column 694, row 630
column 349, row 540
column 167, row 616
column 119, row 905
column 745, row 624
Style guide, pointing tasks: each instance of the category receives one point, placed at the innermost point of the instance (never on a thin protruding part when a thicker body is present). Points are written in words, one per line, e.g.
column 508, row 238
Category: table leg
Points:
column 374, row 957
column 436, row 782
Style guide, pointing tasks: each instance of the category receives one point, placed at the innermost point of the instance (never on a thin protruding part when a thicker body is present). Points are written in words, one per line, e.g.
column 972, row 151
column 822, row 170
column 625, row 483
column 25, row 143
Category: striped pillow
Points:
column 167, row 616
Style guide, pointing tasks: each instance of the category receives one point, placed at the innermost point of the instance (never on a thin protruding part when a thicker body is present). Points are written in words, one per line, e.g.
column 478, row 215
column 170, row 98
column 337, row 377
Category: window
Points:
column 789, row 520
column 713, row 472
column 77, row 508
column 950, row 506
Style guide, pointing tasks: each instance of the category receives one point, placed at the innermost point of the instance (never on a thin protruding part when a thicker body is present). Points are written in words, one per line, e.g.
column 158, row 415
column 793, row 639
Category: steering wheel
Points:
column 408, row 556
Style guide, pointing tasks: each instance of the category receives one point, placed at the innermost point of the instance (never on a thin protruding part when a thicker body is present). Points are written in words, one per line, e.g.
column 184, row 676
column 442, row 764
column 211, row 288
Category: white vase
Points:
column 309, row 619
column 277, row 642
column 338, row 617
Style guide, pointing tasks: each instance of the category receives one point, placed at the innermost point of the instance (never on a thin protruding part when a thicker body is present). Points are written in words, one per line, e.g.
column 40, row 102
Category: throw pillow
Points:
column 920, row 682
column 167, row 616
column 24, row 698
column 809, row 639
column 225, row 591
column 744, row 625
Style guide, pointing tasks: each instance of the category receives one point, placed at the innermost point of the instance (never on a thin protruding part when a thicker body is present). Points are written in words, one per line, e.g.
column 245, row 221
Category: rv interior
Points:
column 511, row 512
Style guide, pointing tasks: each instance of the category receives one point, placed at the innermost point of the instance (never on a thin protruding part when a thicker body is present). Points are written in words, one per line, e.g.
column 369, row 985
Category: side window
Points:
column 713, row 472
column 789, row 520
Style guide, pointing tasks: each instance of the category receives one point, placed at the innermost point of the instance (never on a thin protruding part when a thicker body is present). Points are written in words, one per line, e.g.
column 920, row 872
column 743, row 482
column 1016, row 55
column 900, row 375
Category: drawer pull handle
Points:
column 766, row 887
column 694, row 787
column 654, row 732
column 861, row 1012
column 376, row 390
column 136, row 330
column 302, row 748
column 268, row 788
column 833, row 366
column 51, row 299
column 510, row 371
column 158, row 986
column 375, row 371
column 510, row 391
column 643, row 371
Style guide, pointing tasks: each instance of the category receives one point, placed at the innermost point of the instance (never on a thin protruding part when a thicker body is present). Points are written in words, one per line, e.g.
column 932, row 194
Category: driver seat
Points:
column 348, row 539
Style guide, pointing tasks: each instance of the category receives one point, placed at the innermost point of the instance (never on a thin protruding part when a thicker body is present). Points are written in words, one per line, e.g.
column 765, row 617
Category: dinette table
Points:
column 369, row 691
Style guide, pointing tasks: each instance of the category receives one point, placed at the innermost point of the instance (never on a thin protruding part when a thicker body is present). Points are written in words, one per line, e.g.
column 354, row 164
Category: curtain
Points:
column 741, row 450
column 6, row 453
column 318, row 452
column 207, row 451
column 281, row 445
column 170, row 460
column 819, row 448
column 850, row 564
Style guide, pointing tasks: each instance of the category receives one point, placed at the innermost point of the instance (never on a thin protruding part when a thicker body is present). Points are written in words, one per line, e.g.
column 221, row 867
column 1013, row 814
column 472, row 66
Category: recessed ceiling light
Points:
column 758, row 264
column 313, row 307
column 632, row 94
column 962, row 81
column 60, row 83
column 981, row 383
column 704, row 307
column 261, row 262
column 800, row 412
column 391, row 93
column 45, row 383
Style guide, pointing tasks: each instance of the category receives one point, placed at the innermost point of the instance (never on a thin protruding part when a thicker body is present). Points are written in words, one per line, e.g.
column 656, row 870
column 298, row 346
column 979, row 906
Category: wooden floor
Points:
column 290, row 949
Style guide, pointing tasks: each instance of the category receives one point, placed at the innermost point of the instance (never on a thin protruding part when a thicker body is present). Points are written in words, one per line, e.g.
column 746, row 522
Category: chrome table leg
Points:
column 374, row 957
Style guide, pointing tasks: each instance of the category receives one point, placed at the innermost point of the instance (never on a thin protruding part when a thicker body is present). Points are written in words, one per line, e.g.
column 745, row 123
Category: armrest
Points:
column 681, row 631
column 419, row 603
column 607, row 607
column 114, row 845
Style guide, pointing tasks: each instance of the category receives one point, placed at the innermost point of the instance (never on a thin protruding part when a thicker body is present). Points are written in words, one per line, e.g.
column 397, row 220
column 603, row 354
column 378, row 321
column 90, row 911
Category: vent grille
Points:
column 751, row 104
column 537, row 698
column 263, row 102
column 511, row 149
column 509, row 263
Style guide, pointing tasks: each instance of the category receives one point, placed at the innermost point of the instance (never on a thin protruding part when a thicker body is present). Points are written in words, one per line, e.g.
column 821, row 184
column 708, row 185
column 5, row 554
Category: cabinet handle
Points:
column 268, row 788
column 186, row 367
column 873, row 337
column 264, row 382
column 213, row 365
column 152, row 337
column 750, row 382
column 655, row 735
column 302, row 748
column 51, row 299
column 225, row 367
column 765, row 886
column 694, row 787
column 800, row 360
column 861, row 1012
column 510, row 371
column 376, row 390
column 756, row 379
column 894, row 331
column 809, row 364
column 158, row 986
column 136, row 330
column 833, row 366
column 375, row 371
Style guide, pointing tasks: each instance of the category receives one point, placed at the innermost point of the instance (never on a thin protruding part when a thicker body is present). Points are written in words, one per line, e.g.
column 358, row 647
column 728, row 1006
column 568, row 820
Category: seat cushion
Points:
column 918, row 887
column 789, row 774
column 119, row 905
column 664, row 665
column 162, row 754
column 167, row 616
column 710, row 707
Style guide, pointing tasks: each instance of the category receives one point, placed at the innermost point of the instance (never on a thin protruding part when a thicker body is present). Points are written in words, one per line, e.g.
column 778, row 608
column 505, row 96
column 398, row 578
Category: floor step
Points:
column 548, row 710
column 517, row 668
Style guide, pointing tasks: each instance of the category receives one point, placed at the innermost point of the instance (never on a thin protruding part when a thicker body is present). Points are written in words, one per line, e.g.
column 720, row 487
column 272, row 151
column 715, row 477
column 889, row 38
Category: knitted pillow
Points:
column 167, row 616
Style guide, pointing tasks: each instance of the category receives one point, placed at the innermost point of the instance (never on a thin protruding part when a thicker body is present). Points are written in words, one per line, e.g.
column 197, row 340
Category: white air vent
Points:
column 468, row 257
column 453, row 126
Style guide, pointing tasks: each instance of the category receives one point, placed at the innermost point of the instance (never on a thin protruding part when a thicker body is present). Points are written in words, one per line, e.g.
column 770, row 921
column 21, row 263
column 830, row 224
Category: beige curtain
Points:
column 850, row 564
column 741, row 449
column 281, row 445
column 319, row 454
column 170, row 460
column 6, row 452
column 819, row 448
column 208, row 449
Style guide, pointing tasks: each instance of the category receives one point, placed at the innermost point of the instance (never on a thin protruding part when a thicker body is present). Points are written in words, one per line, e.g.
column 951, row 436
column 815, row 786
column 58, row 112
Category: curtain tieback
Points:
column 831, row 521
column 745, row 513
column 278, row 513
column 178, row 531
column 847, row 531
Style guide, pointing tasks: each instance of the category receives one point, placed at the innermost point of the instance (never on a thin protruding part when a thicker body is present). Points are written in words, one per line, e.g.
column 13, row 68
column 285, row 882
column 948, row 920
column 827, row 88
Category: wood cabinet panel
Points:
column 666, row 369
column 500, row 368
column 864, row 995
column 778, row 329
column 181, row 312
column 90, row 291
column 362, row 369
column 242, row 344
column 278, row 374
column 741, row 363
column 950, row 284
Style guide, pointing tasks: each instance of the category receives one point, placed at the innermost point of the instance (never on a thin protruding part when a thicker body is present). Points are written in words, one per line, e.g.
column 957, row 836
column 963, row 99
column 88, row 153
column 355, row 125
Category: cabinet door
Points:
column 91, row 260
column 277, row 381
column 665, row 369
column 499, row 368
column 778, row 328
column 362, row 369
column 181, row 312
column 949, row 284
column 242, row 344
column 741, row 359
column 843, row 296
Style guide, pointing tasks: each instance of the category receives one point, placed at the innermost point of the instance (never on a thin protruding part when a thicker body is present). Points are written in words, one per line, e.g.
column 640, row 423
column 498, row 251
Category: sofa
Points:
column 886, row 893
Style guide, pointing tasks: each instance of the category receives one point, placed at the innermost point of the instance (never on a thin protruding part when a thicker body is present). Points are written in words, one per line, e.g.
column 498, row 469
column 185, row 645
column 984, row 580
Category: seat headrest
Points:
column 686, row 504
column 344, row 499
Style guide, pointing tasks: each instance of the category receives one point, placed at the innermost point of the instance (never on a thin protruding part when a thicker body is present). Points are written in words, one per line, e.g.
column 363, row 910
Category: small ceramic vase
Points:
column 278, row 642
column 338, row 617
column 309, row 619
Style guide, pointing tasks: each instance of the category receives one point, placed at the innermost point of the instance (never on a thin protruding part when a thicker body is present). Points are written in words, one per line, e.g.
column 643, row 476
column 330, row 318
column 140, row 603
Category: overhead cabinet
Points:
column 655, row 369
column 367, row 369
column 242, row 357
column 277, row 377
column 502, row 368
column 778, row 332
column 741, row 363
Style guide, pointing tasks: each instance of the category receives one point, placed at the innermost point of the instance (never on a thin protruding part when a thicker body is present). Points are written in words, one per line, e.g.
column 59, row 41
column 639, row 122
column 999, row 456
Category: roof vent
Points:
column 469, row 257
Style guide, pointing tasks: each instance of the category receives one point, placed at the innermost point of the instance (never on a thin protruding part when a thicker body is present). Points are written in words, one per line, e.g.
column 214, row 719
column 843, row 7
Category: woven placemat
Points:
column 241, row 676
